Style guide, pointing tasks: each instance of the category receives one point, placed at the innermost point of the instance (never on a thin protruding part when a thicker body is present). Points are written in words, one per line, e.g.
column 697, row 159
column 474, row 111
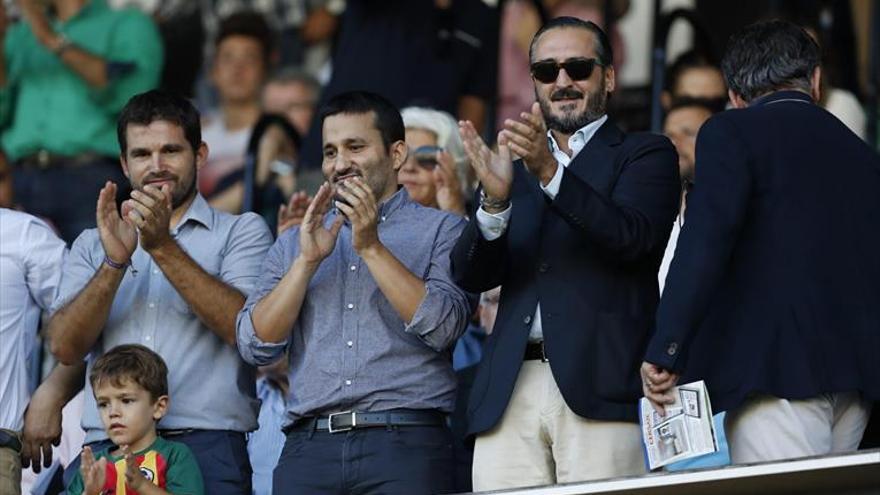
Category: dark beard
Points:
column 186, row 196
column 567, row 123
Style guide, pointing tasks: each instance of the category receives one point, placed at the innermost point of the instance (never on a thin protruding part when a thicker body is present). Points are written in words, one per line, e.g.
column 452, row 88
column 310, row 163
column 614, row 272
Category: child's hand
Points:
column 133, row 477
column 94, row 473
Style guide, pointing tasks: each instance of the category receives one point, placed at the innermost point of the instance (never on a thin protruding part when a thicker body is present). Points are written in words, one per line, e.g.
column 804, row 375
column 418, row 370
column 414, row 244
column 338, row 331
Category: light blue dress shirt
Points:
column 209, row 385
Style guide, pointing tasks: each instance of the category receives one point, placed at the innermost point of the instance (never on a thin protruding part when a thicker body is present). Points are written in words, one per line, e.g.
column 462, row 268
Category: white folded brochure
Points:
column 686, row 431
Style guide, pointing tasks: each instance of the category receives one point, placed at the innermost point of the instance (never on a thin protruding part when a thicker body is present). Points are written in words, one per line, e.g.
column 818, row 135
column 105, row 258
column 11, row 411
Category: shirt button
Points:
column 148, row 338
column 672, row 349
column 353, row 268
column 152, row 305
column 543, row 267
column 383, row 218
column 527, row 319
column 350, row 306
column 349, row 343
column 348, row 382
column 155, row 271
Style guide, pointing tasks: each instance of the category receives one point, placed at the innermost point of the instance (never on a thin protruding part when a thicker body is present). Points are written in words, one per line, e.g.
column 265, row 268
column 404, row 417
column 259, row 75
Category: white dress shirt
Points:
column 492, row 226
column 31, row 257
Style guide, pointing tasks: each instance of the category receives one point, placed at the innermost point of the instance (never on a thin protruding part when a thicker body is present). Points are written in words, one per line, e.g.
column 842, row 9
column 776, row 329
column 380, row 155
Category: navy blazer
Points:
column 590, row 256
column 775, row 283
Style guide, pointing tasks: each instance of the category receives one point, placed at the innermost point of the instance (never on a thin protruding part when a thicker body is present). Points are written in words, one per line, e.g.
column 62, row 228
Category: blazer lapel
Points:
column 596, row 164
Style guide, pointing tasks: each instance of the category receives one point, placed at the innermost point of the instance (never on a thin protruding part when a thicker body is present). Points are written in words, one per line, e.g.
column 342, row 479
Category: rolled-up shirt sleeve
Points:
column 443, row 314
column 253, row 349
column 244, row 252
column 80, row 267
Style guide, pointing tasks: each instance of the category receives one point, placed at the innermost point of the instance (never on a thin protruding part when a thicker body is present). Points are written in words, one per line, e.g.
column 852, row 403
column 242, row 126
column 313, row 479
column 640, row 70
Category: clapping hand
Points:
column 118, row 234
column 494, row 170
column 527, row 138
column 293, row 213
column 150, row 210
column 94, row 473
column 359, row 206
column 316, row 242
column 447, row 185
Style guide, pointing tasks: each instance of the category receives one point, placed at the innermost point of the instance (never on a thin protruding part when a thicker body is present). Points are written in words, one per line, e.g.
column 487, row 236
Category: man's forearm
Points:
column 63, row 383
column 92, row 69
column 75, row 327
column 214, row 302
column 275, row 314
column 403, row 290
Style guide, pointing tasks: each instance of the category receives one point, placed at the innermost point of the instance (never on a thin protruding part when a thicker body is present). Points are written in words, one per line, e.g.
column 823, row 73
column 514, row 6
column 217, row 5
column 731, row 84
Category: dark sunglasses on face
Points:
column 578, row 69
column 426, row 156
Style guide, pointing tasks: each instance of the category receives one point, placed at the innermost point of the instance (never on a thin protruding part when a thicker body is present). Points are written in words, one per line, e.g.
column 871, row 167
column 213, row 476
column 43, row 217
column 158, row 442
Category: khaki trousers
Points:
column 10, row 469
column 767, row 428
column 540, row 441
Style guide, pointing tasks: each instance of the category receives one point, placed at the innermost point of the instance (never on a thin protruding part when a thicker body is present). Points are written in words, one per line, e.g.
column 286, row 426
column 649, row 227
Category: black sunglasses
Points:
column 426, row 156
column 579, row 69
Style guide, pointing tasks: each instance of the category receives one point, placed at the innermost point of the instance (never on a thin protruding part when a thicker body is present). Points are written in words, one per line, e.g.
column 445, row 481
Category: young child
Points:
column 130, row 383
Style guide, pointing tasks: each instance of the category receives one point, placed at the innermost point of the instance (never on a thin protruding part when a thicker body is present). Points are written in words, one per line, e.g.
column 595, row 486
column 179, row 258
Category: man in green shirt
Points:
column 63, row 80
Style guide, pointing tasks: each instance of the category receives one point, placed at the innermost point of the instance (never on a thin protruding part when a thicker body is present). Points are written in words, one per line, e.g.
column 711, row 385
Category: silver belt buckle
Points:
column 330, row 427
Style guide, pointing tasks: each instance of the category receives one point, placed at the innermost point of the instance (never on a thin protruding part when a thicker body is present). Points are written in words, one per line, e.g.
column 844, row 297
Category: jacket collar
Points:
column 778, row 96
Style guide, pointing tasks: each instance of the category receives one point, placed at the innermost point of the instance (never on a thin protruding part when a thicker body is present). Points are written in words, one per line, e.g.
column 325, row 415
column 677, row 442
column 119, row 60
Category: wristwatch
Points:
column 62, row 43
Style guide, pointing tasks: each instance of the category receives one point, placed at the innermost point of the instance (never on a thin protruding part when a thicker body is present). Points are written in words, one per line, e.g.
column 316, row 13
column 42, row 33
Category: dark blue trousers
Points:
column 222, row 457
column 407, row 460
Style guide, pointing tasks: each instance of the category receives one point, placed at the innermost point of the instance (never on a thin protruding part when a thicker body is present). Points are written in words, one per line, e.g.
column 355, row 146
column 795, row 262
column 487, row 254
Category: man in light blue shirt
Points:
column 170, row 273
column 362, row 298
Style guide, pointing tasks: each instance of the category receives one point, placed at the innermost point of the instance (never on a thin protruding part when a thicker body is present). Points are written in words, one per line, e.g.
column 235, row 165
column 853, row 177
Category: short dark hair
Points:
column 250, row 24
column 691, row 59
column 603, row 45
column 146, row 108
column 768, row 56
column 135, row 363
column 386, row 116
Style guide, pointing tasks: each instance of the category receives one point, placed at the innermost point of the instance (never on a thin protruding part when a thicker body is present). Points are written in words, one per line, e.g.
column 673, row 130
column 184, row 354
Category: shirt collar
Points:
column 579, row 139
column 198, row 211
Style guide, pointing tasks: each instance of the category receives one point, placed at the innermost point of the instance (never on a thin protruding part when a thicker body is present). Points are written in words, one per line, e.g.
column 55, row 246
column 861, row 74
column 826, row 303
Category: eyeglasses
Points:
column 579, row 69
column 426, row 156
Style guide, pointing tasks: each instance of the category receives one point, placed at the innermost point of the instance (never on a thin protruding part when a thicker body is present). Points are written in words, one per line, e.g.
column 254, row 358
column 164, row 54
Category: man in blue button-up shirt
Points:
column 362, row 298
column 170, row 273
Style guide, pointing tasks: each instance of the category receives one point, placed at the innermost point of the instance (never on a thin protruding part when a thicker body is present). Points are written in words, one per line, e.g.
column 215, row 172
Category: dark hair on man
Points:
column 290, row 75
column 386, row 116
column 135, row 363
column 146, row 108
column 603, row 45
column 691, row 59
column 768, row 56
column 250, row 24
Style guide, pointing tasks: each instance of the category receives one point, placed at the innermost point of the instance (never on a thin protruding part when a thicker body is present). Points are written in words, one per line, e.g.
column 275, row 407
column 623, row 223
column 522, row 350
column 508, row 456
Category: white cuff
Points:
column 552, row 187
column 492, row 225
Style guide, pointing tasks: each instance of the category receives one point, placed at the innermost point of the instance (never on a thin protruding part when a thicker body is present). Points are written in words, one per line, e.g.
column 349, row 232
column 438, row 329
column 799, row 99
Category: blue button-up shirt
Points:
column 209, row 385
column 349, row 348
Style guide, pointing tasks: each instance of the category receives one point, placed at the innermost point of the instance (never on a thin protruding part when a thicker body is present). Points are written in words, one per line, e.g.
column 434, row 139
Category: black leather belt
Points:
column 352, row 420
column 535, row 351
column 44, row 160
column 10, row 441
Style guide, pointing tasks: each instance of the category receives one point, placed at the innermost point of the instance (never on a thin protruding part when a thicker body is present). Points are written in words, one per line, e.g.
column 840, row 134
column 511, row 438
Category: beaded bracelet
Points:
column 113, row 264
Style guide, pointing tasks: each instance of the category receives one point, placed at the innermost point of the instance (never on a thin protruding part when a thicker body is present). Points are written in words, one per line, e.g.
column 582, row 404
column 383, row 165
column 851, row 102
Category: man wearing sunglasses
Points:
column 573, row 232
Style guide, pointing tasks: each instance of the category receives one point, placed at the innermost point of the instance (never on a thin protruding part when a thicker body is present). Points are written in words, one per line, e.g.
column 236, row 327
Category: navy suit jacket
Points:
column 590, row 256
column 775, row 283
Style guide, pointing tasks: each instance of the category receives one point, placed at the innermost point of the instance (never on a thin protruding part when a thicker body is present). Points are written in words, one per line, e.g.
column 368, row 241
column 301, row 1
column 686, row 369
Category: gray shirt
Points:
column 349, row 349
column 209, row 385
